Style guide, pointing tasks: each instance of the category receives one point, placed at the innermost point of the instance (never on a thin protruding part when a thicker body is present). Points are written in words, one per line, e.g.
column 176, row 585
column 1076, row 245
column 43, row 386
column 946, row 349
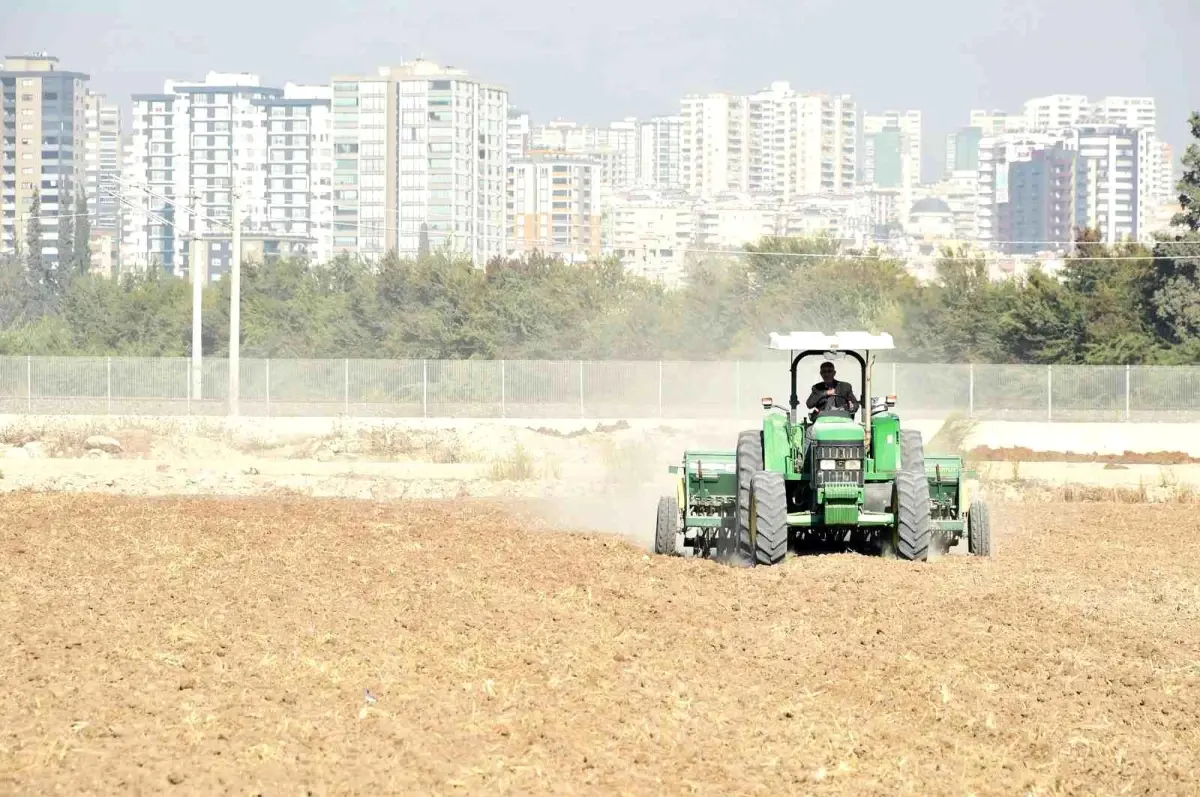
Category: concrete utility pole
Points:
column 235, row 299
column 199, row 275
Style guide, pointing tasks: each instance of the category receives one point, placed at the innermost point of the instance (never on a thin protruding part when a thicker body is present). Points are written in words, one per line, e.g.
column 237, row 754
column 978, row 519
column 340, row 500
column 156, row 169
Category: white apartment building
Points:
column 42, row 151
column 991, row 188
column 906, row 127
column 1056, row 112
column 364, row 115
column 299, row 204
column 1113, row 180
column 715, row 144
column 995, row 123
column 519, row 135
column 192, row 146
column 103, row 157
column 660, row 153
column 553, row 202
column 828, row 141
column 650, row 231
column 197, row 143
column 419, row 148
column 615, row 147
column 776, row 140
column 453, row 173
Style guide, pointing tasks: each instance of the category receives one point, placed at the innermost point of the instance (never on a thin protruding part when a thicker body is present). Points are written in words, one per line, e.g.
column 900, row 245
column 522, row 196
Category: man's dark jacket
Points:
column 818, row 399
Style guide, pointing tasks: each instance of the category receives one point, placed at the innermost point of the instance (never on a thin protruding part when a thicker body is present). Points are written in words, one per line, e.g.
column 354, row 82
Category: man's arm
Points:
column 816, row 396
column 850, row 399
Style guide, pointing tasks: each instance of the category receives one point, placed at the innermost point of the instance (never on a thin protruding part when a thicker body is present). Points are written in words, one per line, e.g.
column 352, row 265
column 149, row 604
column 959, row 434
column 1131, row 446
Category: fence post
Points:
column 108, row 385
column 971, row 390
column 425, row 388
column 1049, row 392
column 29, row 383
column 660, row 389
column 267, row 376
column 1127, row 370
column 502, row 397
column 346, row 387
column 581, row 413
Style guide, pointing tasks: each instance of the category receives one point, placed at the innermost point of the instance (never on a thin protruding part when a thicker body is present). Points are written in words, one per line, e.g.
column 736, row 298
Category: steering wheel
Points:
column 834, row 403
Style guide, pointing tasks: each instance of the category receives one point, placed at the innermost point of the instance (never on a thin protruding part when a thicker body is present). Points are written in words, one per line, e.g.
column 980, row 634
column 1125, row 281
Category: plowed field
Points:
column 207, row 646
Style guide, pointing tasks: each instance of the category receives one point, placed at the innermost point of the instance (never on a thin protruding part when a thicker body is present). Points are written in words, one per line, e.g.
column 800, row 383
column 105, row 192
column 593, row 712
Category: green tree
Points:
column 1189, row 186
column 83, row 236
column 66, row 239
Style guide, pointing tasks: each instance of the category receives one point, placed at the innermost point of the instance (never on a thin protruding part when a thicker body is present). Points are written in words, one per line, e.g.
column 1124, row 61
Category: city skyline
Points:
column 928, row 56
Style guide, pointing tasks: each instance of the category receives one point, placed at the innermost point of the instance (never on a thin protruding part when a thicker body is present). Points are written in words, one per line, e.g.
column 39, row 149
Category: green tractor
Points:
column 825, row 481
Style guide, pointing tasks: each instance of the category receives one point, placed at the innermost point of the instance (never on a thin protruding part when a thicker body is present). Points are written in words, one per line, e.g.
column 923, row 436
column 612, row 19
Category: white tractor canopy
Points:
column 842, row 341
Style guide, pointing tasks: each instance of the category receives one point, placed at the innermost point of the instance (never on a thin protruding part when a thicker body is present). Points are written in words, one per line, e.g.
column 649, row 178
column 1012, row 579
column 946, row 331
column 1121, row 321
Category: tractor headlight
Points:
column 852, row 464
column 828, row 464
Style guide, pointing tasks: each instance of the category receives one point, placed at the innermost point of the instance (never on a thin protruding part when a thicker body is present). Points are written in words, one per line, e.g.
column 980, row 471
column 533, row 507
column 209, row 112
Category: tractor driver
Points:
column 831, row 397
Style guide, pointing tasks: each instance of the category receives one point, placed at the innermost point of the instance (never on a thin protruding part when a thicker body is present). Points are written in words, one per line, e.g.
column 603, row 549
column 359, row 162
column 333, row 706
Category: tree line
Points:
column 1108, row 305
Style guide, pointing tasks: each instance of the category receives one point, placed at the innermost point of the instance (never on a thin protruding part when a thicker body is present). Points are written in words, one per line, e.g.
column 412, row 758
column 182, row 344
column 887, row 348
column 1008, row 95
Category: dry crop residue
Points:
column 216, row 646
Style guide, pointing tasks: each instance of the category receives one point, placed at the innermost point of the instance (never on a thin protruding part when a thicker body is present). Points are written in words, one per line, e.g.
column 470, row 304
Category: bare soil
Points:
column 276, row 646
column 1022, row 454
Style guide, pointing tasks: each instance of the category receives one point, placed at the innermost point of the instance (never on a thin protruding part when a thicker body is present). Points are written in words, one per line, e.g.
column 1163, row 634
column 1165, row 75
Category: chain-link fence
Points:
column 574, row 389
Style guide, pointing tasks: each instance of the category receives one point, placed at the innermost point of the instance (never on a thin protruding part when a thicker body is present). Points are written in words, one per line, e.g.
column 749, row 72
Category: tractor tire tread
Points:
column 667, row 527
column 914, row 527
column 770, row 505
column 979, row 529
column 749, row 459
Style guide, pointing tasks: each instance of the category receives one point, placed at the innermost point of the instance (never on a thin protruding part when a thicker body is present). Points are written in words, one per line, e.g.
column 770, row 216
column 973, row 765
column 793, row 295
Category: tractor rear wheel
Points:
column 739, row 548
column 914, row 529
column 667, row 526
column 768, row 518
column 979, row 529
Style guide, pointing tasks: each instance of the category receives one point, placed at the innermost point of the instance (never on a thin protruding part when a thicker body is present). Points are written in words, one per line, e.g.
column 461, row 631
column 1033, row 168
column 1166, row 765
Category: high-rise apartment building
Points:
column 193, row 145
column 962, row 147
column 43, row 146
column 615, row 147
column 299, row 202
column 519, row 135
column 554, row 205
column 453, row 161
column 196, row 144
column 102, row 155
column 776, row 140
column 997, row 123
column 828, row 143
column 1042, row 206
column 715, row 141
column 660, row 153
column 962, row 150
column 419, row 149
column 996, row 153
column 1036, row 189
column 1115, row 178
column 892, row 149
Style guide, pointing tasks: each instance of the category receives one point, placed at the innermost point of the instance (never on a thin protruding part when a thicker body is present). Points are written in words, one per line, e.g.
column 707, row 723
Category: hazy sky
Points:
column 603, row 60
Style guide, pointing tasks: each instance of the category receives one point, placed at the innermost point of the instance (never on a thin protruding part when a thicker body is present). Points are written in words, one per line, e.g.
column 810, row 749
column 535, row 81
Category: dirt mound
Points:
column 1022, row 454
column 351, row 647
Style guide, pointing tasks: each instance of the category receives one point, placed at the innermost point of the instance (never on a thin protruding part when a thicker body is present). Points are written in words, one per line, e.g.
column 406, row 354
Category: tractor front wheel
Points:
column 768, row 517
column 667, row 526
column 979, row 529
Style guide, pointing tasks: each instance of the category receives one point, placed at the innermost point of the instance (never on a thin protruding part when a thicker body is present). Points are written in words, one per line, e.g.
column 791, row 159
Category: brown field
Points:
column 208, row 646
